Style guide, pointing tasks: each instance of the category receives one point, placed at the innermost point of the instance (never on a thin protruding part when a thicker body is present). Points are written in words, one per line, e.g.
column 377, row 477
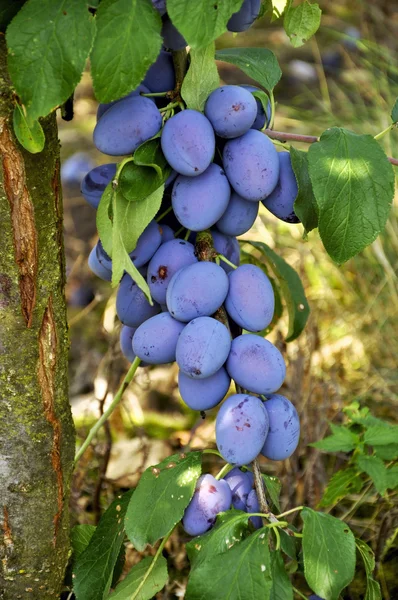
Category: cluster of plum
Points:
column 222, row 167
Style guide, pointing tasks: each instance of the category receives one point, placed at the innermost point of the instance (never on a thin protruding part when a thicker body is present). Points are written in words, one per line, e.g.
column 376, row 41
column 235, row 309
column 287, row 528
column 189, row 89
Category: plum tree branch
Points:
column 282, row 136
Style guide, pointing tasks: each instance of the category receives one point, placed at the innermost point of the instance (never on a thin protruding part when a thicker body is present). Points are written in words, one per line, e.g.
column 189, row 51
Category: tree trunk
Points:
column 36, row 428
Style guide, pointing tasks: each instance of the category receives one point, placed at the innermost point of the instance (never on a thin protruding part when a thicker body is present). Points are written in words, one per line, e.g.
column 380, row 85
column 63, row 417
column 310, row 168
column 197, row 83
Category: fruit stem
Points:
column 157, row 94
column 289, row 512
column 164, row 214
column 186, row 236
column 259, row 485
column 222, row 257
column 296, row 591
column 104, row 417
column 180, row 60
column 226, row 469
column 384, row 132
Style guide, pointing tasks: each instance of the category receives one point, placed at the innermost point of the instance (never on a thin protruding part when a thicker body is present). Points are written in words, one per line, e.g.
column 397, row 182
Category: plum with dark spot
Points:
column 203, row 394
column 155, row 340
column 262, row 118
column 241, row 483
column 199, row 202
column 255, row 364
column 197, row 290
column 188, row 142
column 231, row 110
column 281, row 201
column 241, row 428
column 284, row 428
column 167, row 260
column 252, row 165
column 203, row 347
column 250, row 301
column 210, row 498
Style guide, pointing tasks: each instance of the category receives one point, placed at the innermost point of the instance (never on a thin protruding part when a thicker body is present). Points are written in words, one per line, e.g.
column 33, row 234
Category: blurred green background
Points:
column 346, row 76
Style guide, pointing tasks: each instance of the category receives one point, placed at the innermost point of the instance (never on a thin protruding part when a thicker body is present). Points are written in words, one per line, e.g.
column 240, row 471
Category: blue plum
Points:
column 241, row 428
column 253, row 506
column 167, row 233
column 155, row 340
column 95, row 182
column 100, row 263
column 203, row 347
column 284, row 428
column 203, row 394
column 227, row 246
column 196, row 291
column 250, row 301
column 147, row 244
column 252, row 165
column 126, row 125
column 231, row 110
column 245, row 16
column 132, row 307
column 126, row 342
column 102, row 108
column 160, row 6
column 238, row 217
column 172, row 38
column 160, row 76
column 198, row 202
column 188, row 142
column 241, row 483
column 281, row 201
column 167, row 260
column 315, row 597
column 210, row 498
column 74, row 168
column 261, row 118
column 256, row 364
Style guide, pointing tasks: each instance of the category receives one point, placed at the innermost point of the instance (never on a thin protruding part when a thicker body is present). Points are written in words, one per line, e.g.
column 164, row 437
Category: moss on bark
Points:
column 36, row 429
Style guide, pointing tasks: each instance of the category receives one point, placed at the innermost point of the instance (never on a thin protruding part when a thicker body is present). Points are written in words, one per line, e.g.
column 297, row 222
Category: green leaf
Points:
column 137, row 179
column 342, row 483
column 48, row 45
column 8, row 10
column 143, row 581
column 389, row 452
column 394, row 112
column 80, row 537
column 30, row 134
column 265, row 103
column 241, row 573
column 128, row 41
column 291, row 287
column 92, row 573
column 342, row 440
column 205, row 21
column 375, row 468
column 288, row 544
column 392, row 477
column 373, row 588
column 103, row 219
column 301, row 22
column 305, row 205
column 329, row 553
column 202, row 78
column 381, row 435
column 162, row 495
column 230, row 528
column 354, row 186
column 258, row 63
column 273, row 486
column 281, row 585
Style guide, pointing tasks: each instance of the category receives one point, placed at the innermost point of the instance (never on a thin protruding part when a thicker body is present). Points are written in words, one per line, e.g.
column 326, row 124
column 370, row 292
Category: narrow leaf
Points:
column 162, row 495
column 80, row 537
column 103, row 219
column 58, row 35
column 373, row 588
column 353, row 184
column 258, row 63
column 342, row 440
column 301, row 22
column 144, row 580
column 375, row 468
column 128, row 41
column 273, row 487
column 305, row 205
column 291, row 287
column 281, row 585
column 241, row 573
column 92, row 573
column 394, row 112
column 202, row 77
column 343, row 482
column 30, row 134
column 206, row 20
column 329, row 553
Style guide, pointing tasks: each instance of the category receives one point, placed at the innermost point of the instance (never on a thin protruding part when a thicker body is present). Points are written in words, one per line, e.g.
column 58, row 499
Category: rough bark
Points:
column 36, row 429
